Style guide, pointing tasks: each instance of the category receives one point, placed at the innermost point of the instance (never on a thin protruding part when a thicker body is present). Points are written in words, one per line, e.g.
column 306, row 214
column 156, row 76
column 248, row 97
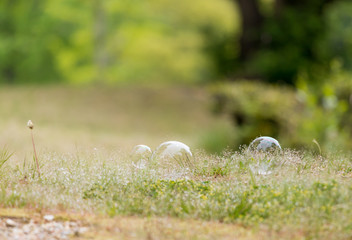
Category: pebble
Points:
column 27, row 229
column 48, row 218
column 10, row 223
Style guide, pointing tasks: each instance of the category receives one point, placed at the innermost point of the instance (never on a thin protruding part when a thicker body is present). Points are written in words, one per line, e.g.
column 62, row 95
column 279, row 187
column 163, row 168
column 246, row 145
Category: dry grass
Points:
column 68, row 119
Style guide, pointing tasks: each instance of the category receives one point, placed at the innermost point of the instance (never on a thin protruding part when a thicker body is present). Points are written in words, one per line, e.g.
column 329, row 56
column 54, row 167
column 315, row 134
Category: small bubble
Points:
column 140, row 155
column 140, row 152
column 172, row 151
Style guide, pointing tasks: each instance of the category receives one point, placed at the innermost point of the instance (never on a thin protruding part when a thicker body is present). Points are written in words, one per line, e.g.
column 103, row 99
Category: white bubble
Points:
column 263, row 152
column 265, row 144
column 140, row 155
column 174, row 151
column 141, row 150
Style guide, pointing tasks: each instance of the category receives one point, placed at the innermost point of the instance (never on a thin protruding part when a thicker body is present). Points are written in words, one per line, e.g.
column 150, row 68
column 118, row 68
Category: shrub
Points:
column 294, row 116
column 258, row 109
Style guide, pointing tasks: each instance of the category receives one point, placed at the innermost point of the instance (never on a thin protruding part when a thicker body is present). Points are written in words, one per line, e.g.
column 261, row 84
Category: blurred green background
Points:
column 281, row 68
column 109, row 41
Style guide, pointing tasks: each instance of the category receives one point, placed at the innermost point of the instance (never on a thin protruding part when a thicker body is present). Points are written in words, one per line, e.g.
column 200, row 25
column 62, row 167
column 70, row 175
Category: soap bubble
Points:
column 174, row 151
column 140, row 155
column 263, row 163
column 265, row 144
column 141, row 152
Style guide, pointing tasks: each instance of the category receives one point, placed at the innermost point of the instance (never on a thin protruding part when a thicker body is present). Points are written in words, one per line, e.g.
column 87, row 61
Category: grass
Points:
column 243, row 195
column 306, row 194
column 5, row 155
column 67, row 119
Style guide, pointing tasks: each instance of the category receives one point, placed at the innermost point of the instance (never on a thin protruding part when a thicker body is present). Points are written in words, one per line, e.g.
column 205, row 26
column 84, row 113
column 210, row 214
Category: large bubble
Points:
column 140, row 155
column 265, row 144
column 174, row 151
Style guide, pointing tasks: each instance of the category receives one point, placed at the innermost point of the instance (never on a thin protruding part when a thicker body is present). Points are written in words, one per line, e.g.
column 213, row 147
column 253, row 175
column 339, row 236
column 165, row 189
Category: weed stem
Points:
column 35, row 153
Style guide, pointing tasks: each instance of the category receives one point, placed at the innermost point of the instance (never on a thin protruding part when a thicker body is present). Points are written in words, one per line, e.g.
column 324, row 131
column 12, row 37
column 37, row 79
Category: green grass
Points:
column 290, row 195
column 304, row 193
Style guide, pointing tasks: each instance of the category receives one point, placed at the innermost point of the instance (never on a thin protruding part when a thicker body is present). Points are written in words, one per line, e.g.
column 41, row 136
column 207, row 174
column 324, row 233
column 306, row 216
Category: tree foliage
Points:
column 25, row 40
column 111, row 41
column 106, row 41
column 281, row 38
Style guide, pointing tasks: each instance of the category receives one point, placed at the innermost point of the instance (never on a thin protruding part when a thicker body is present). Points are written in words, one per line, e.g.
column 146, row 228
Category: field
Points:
column 84, row 138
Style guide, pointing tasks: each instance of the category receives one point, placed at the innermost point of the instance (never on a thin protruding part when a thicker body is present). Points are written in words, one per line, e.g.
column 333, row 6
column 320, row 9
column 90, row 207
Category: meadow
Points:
column 84, row 137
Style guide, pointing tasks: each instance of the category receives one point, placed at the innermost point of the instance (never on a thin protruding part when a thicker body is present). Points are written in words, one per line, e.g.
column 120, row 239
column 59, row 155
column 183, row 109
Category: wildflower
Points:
column 30, row 124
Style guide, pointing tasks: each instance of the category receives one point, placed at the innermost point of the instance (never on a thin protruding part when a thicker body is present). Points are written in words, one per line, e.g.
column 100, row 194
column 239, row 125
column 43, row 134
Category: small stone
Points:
column 48, row 218
column 83, row 230
column 27, row 229
column 73, row 224
column 66, row 232
column 10, row 223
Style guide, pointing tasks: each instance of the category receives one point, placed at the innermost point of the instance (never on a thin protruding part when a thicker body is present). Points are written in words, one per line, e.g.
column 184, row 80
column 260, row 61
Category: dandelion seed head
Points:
column 30, row 124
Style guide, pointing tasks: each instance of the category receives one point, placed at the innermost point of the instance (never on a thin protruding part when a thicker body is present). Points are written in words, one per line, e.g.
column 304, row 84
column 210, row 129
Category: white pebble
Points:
column 48, row 218
column 10, row 223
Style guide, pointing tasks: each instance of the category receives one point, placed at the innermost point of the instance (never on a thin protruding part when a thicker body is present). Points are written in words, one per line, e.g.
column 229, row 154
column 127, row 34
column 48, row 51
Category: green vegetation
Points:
column 258, row 109
column 292, row 196
column 5, row 155
column 296, row 116
column 109, row 42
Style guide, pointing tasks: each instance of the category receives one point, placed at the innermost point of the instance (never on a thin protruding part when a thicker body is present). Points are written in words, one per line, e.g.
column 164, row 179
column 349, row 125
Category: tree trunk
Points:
column 9, row 75
column 251, row 27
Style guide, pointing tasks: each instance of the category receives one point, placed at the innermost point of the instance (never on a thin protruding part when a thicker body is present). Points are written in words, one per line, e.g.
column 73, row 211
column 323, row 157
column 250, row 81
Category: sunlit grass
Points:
column 304, row 192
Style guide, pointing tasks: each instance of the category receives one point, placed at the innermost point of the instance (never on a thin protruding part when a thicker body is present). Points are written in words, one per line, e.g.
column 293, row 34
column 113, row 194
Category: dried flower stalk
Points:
column 30, row 125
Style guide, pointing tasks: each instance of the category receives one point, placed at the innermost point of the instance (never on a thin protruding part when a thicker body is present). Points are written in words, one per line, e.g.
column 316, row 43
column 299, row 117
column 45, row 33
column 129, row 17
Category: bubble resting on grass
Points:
column 263, row 151
column 174, row 151
column 264, row 144
column 140, row 155
column 141, row 150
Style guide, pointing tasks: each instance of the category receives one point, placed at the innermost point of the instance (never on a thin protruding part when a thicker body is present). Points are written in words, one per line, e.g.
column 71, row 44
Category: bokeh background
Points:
column 212, row 73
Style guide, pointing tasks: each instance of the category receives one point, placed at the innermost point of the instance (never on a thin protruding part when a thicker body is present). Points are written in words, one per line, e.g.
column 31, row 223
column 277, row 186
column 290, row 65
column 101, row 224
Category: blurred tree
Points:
column 140, row 41
column 76, row 39
column 279, row 37
column 163, row 42
column 25, row 41
column 192, row 41
column 113, row 41
column 252, row 21
column 100, row 34
column 337, row 42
